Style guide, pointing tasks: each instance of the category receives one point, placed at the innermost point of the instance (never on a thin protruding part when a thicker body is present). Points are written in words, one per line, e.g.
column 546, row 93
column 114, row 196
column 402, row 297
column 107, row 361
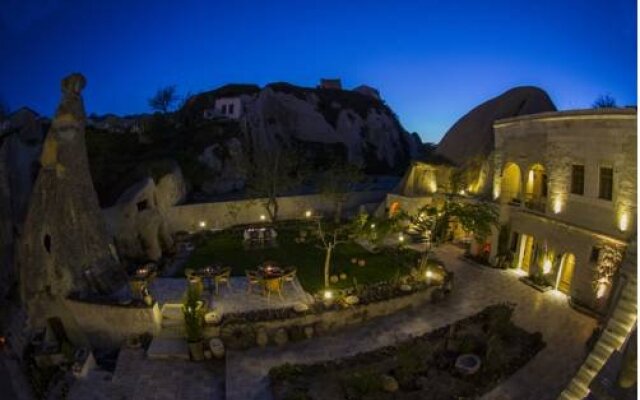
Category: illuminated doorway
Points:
column 565, row 273
column 526, row 253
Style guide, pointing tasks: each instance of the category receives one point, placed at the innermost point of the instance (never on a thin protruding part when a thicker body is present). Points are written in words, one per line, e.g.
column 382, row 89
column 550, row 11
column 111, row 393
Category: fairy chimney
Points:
column 65, row 247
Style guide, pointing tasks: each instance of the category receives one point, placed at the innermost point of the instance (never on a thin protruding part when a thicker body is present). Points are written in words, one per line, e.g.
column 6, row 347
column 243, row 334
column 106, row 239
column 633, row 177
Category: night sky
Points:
column 432, row 60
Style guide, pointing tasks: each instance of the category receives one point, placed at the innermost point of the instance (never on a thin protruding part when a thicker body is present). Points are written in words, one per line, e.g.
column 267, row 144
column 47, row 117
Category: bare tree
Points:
column 330, row 237
column 271, row 174
column 164, row 99
column 604, row 101
column 337, row 183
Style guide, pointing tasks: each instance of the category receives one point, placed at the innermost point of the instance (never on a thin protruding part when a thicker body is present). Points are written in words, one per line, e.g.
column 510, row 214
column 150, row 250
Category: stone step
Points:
column 163, row 348
column 172, row 311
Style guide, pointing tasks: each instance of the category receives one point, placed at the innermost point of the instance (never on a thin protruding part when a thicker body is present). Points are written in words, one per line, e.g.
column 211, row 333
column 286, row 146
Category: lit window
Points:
column 577, row 179
column 606, row 183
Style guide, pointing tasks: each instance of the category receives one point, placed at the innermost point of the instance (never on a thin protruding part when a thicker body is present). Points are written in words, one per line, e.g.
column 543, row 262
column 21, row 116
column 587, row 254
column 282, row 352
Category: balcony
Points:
column 535, row 203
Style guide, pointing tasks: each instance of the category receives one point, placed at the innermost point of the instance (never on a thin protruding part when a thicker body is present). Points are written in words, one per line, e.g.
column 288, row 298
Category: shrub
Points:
column 284, row 372
column 361, row 383
column 193, row 312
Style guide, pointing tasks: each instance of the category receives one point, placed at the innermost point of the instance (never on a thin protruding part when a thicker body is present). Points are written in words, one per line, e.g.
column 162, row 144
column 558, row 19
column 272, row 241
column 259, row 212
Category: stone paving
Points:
column 564, row 330
column 236, row 299
column 137, row 378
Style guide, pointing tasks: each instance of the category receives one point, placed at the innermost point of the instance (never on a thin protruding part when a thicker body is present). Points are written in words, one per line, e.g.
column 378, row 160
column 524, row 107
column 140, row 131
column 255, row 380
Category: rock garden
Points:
column 463, row 360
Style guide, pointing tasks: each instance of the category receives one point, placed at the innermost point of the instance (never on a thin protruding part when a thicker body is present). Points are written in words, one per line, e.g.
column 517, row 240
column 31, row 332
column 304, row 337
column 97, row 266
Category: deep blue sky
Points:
column 432, row 60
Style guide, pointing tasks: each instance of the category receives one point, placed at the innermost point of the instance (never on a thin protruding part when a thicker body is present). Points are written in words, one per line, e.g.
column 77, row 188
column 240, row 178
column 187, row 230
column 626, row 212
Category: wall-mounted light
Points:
column 202, row 224
column 496, row 192
column 546, row 266
column 557, row 205
column 623, row 223
column 262, row 217
column 308, row 213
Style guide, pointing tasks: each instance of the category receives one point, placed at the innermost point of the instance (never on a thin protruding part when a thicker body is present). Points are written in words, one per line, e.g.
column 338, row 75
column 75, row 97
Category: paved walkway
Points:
column 564, row 330
column 138, row 378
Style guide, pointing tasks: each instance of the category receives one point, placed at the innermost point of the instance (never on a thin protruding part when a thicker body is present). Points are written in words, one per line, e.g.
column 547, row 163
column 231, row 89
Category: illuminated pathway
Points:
column 564, row 330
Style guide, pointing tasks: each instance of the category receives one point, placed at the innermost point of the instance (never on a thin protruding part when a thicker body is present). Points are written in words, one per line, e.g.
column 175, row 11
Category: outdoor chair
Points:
column 223, row 277
column 273, row 285
column 290, row 277
column 253, row 279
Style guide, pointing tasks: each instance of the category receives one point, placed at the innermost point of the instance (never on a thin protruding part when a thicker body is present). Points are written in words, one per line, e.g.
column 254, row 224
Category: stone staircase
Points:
column 616, row 332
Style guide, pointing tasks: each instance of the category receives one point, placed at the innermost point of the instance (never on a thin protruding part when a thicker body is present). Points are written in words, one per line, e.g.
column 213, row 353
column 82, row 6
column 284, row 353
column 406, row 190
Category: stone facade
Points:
column 553, row 229
column 65, row 246
column 533, row 162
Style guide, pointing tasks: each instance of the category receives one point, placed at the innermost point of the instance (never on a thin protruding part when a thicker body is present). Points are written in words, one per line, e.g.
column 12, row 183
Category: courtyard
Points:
column 244, row 374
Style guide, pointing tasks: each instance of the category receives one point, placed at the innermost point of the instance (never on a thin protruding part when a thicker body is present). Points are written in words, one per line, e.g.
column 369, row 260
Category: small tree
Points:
column 337, row 182
column 330, row 237
column 271, row 174
column 478, row 218
column 604, row 101
column 164, row 99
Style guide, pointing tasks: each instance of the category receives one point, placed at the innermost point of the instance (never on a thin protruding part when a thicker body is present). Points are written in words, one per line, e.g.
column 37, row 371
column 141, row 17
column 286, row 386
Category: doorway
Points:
column 526, row 252
column 565, row 274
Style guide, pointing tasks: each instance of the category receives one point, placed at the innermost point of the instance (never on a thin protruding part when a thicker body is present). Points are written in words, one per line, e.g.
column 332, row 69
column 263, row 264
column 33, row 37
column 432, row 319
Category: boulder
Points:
column 308, row 331
column 216, row 347
column 300, row 307
column 472, row 135
column 213, row 318
column 281, row 337
column 389, row 383
column 351, row 300
column 262, row 338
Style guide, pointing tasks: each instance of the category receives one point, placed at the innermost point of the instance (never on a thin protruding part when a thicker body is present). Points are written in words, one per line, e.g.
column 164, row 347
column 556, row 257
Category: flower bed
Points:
column 422, row 367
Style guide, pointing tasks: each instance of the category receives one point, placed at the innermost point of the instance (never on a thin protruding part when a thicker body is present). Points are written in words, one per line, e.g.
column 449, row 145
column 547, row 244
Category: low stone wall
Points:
column 316, row 324
column 108, row 326
column 220, row 215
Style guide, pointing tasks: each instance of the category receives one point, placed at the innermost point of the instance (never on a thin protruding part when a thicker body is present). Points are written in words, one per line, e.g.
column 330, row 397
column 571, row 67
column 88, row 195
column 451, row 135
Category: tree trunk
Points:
column 338, row 214
column 327, row 262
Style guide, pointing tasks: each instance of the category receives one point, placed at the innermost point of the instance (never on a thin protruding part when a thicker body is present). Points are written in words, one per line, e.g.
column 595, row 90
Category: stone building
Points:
column 65, row 248
column 565, row 187
column 335, row 84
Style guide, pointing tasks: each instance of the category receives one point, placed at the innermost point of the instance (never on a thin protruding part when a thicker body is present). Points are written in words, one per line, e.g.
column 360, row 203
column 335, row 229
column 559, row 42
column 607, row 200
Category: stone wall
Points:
column 108, row 326
column 330, row 321
column 220, row 215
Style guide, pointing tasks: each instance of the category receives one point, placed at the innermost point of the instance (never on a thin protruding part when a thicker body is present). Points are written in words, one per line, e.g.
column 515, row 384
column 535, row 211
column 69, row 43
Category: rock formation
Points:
column 471, row 137
column 137, row 220
column 65, row 247
column 363, row 125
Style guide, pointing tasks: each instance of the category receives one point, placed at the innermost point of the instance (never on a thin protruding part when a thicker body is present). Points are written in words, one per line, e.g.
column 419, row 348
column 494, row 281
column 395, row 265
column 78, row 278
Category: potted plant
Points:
column 193, row 311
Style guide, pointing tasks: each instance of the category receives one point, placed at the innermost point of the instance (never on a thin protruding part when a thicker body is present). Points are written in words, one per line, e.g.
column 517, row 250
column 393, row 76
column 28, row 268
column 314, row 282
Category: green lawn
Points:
column 227, row 248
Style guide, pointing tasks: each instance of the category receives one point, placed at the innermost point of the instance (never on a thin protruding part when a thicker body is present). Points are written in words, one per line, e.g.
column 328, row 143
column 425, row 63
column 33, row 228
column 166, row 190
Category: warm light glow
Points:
column 462, row 192
column 546, row 266
column 557, row 205
column 496, row 192
column 263, row 217
column 602, row 289
column 530, row 177
column 624, row 221
column 308, row 213
column 203, row 224
column 433, row 186
column 373, row 226
column 520, row 272
column 401, row 237
column 429, row 274
column 328, row 295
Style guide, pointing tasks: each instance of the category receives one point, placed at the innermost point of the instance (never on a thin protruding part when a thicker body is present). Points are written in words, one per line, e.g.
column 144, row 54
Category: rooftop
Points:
column 590, row 113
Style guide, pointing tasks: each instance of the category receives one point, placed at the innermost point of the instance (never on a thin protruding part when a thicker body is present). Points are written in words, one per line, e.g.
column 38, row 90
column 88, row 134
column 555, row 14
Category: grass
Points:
column 227, row 248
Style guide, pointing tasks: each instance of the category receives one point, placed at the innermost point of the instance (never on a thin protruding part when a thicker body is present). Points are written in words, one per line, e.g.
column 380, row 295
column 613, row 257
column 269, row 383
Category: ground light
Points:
column 328, row 295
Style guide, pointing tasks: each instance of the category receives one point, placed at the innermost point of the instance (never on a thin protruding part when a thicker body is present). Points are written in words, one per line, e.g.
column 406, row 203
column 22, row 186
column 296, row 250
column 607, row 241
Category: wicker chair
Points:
column 253, row 279
column 223, row 277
